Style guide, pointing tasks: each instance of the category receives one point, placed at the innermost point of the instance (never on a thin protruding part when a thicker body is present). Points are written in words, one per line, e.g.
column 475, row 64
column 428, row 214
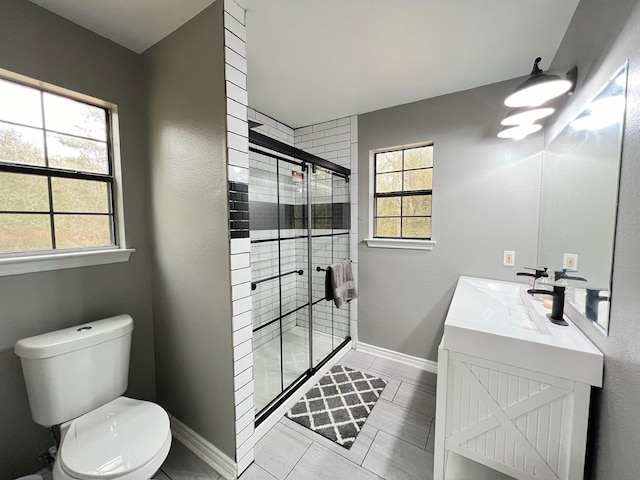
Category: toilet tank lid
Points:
column 74, row 338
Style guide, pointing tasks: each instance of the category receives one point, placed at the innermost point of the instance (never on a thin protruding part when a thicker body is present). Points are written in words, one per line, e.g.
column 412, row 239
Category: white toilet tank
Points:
column 72, row 371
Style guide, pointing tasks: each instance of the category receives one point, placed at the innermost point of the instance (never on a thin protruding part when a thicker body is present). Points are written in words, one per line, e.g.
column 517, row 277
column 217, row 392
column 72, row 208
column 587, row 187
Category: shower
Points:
column 300, row 223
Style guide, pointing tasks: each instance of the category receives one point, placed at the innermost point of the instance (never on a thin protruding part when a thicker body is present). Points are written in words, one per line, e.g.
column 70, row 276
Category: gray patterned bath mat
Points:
column 338, row 405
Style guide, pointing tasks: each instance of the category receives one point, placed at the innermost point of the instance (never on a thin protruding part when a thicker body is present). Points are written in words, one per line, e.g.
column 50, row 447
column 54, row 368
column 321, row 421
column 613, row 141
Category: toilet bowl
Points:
column 75, row 378
column 124, row 439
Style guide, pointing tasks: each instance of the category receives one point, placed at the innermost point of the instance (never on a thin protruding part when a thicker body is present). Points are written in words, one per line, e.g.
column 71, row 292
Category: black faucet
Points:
column 560, row 274
column 557, row 310
column 536, row 274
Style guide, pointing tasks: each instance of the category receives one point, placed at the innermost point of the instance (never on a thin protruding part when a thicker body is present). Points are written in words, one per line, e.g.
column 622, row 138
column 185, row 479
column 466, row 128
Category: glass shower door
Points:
column 299, row 226
column 321, row 188
column 340, row 236
column 277, row 196
column 265, row 288
column 329, row 229
column 294, row 297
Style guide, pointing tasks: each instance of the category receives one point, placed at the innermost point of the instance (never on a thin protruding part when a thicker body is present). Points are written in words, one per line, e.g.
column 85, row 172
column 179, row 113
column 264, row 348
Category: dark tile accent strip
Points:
column 238, row 210
column 239, row 187
column 264, row 216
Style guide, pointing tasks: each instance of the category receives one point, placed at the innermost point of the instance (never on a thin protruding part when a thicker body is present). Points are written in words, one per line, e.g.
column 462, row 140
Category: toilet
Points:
column 75, row 378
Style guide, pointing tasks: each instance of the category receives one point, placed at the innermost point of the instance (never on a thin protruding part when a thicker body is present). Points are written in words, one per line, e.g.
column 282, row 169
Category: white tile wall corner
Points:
column 241, row 290
column 241, row 275
column 236, row 76
column 236, row 109
column 238, row 174
column 272, row 128
column 240, row 261
column 245, row 461
column 329, row 140
column 244, row 452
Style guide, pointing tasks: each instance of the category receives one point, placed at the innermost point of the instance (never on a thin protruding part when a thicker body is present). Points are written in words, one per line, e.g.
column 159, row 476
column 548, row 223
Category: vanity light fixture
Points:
column 541, row 87
column 518, row 132
column 523, row 116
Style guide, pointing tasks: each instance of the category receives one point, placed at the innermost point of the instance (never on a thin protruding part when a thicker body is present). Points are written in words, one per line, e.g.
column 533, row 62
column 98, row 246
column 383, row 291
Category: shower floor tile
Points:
column 295, row 350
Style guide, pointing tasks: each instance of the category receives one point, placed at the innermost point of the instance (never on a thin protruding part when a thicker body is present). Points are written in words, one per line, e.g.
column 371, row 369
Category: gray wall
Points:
column 485, row 200
column 39, row 44
column 601, row 37
column 191, row 279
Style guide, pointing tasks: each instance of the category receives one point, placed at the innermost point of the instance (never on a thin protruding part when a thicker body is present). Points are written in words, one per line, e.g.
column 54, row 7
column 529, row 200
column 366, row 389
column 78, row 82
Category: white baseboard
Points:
column 203, row 449
column 277, row 414
column 422, row 363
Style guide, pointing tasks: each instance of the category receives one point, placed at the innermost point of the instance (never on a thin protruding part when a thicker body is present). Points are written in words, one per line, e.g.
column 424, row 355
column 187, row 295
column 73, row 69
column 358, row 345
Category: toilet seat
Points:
column 122, row 439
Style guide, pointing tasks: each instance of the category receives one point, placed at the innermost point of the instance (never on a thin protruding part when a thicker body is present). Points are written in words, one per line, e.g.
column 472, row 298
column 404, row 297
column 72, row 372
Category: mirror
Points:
column 579, row 200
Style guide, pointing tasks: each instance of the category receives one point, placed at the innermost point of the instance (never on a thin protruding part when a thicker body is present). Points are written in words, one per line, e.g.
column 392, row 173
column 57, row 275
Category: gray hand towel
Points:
column 342, row 282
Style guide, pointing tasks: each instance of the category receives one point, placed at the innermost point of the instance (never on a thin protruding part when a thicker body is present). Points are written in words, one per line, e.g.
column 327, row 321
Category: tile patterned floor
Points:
column 396, row 442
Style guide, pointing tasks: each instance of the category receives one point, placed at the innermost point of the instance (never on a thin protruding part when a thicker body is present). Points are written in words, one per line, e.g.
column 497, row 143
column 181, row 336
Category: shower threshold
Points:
column 295, row 350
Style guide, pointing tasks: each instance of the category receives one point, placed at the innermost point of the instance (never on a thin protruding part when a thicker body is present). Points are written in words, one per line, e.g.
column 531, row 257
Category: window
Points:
column 60, row 196
column 402, row 193
column 56, row 172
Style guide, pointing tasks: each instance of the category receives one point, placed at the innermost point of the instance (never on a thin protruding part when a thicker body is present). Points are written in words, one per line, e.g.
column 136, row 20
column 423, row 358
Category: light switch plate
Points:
column 509, row 258
column 570, row 262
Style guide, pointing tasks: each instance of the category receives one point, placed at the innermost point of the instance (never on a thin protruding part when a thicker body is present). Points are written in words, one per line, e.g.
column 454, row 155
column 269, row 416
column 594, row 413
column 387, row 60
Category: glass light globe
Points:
column 538, row 90
column 526, row 116
column 520, row 131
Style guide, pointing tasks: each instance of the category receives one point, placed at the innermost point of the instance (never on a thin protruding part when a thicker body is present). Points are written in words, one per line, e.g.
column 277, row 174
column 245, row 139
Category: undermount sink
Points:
column 499, row 321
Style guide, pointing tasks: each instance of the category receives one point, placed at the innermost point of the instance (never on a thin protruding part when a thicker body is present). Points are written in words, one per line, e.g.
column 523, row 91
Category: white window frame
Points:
column 394, row 243
column 15, row 263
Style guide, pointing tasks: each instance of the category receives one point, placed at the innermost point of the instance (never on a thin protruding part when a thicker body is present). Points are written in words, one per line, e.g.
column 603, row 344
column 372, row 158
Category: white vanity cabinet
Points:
column 513, row 388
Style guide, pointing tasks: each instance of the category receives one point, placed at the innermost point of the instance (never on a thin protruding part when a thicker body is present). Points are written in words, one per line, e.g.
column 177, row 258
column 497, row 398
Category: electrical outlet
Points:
column 570, row 262
column 508, row 258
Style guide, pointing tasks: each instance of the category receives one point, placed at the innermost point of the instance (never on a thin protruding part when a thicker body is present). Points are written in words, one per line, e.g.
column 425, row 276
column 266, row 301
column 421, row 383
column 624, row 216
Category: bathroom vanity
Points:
column 513, row 388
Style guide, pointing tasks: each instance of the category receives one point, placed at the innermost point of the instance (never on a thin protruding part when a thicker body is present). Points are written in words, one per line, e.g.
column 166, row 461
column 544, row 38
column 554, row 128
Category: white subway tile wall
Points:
column 272, row 128
column 332, row 141
column 240, row 261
